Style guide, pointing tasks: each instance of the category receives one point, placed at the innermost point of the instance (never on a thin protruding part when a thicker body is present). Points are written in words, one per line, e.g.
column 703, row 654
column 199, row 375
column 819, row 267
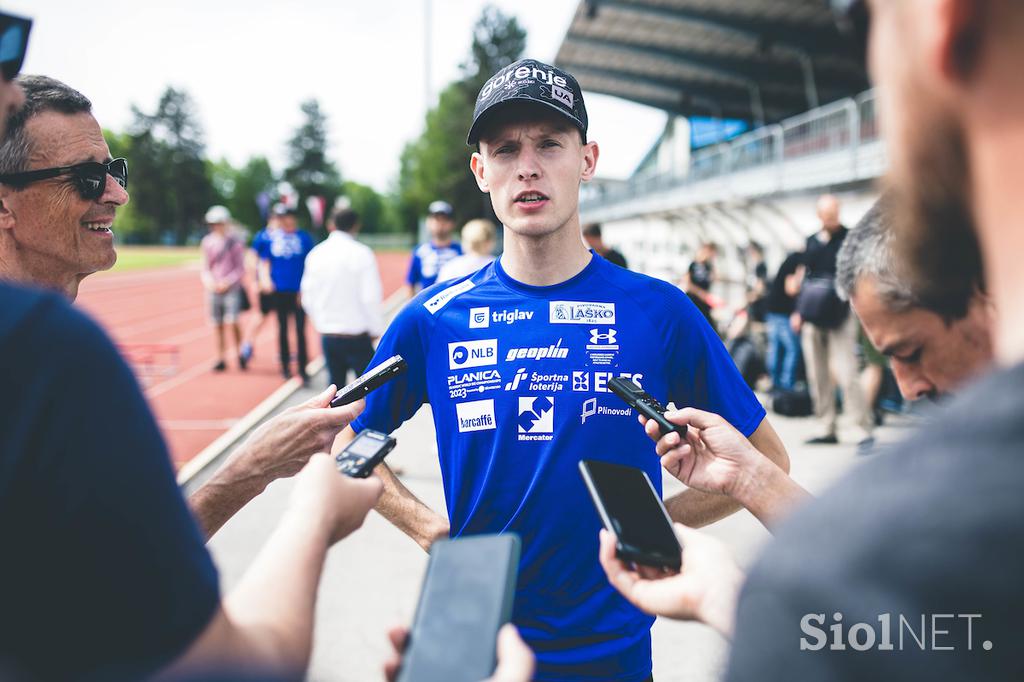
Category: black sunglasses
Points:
column 14, row 32
column 90, row 178
column 854, row 22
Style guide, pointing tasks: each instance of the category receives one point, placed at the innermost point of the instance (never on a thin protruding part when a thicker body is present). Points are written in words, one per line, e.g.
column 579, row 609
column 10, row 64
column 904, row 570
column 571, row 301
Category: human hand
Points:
column 714, row 457
column 281, row 446
column 705, row 589
column 515, row 660
column 796, row 322
column 341, row 502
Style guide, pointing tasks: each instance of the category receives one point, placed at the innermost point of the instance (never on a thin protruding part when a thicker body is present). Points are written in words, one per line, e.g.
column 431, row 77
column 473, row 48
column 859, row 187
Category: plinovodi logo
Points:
column 463, row 354
column 536, row 418
column 581, row 312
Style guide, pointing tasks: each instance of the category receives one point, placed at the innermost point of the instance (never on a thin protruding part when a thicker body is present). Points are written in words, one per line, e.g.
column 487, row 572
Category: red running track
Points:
column 159, row 320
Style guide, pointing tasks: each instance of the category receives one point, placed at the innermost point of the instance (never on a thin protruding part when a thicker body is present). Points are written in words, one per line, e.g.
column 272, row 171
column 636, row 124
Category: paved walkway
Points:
column 372, row 578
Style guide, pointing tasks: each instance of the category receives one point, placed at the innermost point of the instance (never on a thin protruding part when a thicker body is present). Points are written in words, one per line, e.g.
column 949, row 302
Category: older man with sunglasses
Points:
column 59, row 190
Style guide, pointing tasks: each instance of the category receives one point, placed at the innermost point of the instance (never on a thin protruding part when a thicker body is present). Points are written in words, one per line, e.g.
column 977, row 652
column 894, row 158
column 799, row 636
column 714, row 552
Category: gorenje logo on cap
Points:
column 523, row 73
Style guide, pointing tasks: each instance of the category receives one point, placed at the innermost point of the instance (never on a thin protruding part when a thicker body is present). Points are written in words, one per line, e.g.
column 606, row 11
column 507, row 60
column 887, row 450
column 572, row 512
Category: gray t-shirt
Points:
column 932, row 528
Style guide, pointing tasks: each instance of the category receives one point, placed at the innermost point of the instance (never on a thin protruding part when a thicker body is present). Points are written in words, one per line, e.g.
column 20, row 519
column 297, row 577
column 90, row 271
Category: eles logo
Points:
column 463, row 354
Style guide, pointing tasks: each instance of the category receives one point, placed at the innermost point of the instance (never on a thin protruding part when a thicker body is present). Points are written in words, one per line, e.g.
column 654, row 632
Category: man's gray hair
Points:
column 42, row 93
column 868, row 251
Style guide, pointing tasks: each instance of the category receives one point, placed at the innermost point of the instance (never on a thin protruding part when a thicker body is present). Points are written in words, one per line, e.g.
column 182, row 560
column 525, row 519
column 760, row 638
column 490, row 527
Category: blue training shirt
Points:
column 287, row 253
column 427, row 261
column 517, row 379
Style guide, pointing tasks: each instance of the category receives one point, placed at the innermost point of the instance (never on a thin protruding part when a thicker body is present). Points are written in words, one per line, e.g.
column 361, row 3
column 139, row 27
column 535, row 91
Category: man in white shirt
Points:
column 341, row 292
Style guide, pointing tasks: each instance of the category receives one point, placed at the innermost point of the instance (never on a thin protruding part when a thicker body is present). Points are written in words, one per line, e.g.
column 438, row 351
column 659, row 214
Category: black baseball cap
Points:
column 530, row 81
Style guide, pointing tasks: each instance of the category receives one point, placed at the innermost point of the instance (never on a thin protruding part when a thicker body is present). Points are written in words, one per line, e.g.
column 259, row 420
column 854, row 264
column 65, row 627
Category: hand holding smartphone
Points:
column 370, row 379
column 631, row 509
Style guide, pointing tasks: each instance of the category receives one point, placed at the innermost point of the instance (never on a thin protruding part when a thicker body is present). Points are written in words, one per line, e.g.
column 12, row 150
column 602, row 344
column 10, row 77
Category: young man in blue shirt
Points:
column 515, row 360
column 429, row 257
column 282, row 261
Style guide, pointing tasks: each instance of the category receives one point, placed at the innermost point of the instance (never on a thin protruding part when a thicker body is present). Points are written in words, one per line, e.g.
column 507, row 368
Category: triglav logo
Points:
column 479, row 318
column 536, row 418
column 463, row 354
column 579, row 312
column 556, row 351
column 477, row 415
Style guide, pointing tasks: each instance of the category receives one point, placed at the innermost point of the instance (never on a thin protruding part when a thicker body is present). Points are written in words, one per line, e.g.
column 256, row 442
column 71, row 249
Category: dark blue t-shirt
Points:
column 104, row 574
column 517, row 377
column 287, row 253
column 427, row 261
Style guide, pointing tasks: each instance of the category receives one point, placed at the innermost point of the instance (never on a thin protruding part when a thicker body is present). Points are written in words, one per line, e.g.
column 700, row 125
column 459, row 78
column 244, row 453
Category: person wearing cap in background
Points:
column 478, row 238
column 514, row 361
column 282, row 255
column 222, row 255
column 429, row 257
column 264, row 287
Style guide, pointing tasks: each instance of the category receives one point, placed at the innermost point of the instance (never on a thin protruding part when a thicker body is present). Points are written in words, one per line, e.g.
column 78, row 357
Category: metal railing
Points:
column 840, row 129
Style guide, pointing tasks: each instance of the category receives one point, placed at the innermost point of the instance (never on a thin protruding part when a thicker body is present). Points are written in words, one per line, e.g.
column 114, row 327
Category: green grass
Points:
column 150, row 257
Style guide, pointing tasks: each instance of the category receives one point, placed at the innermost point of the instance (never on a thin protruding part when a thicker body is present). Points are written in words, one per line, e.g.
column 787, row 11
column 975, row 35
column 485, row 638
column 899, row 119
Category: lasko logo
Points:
column 472, row 353
column 592, row 409
column 479, row 318
column 477, row 415
column 522, row 73
column 556, row 351
column 441, row 300
column 579, row 312
column 536, row 418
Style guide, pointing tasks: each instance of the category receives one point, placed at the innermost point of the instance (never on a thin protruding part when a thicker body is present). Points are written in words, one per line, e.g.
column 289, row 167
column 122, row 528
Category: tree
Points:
column 375, row 210
column 436, row 165
column 169, row 183
column 309, row 169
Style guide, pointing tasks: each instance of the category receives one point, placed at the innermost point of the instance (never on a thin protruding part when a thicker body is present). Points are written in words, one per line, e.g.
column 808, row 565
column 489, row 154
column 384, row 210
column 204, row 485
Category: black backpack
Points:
column 792, row 403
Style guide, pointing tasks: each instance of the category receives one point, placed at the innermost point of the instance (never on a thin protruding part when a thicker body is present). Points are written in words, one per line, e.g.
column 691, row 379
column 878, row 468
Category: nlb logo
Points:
column 479, row 318
column 472, row 353
column 477, row 415
column 581, row 312
column 556, row 351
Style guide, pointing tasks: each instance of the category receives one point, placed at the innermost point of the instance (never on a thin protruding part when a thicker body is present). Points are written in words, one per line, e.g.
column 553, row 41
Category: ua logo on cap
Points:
column 562, row 95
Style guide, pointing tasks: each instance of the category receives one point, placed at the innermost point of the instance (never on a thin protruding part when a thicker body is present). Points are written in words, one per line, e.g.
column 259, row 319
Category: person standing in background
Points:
column 592, row 236
column 429, row 257
column 222, row 255
column 699, row 278
column 829, row 332
column 341, row 291
column 783, row 354
column 263, row 289
column 282, row 259
column 478, row 236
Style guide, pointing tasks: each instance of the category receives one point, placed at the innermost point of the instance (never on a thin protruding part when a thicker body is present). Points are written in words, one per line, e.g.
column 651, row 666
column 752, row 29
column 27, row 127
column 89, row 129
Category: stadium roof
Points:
column 757, row 60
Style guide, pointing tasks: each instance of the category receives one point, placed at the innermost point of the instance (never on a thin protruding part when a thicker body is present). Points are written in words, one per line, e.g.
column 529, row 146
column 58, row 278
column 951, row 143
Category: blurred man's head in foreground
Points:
column 932, row 349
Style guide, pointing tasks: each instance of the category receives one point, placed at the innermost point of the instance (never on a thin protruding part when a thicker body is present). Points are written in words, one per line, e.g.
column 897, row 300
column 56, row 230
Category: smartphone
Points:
column 644, row 403
column 466, row 597
column 370, row 379
column 630, row 507
column 367, row 450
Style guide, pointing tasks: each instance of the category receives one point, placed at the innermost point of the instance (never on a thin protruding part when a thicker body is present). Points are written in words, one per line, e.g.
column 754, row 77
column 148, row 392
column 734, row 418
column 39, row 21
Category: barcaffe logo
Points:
column 477, row 415
column 463, row 354
column 581, row 312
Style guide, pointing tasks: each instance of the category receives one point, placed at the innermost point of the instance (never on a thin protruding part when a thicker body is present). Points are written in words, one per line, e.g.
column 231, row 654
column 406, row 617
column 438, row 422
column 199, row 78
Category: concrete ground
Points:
column 372, row 579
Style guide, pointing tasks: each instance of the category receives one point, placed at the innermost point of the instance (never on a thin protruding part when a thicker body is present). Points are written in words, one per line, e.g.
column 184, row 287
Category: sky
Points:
column 248, row 65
